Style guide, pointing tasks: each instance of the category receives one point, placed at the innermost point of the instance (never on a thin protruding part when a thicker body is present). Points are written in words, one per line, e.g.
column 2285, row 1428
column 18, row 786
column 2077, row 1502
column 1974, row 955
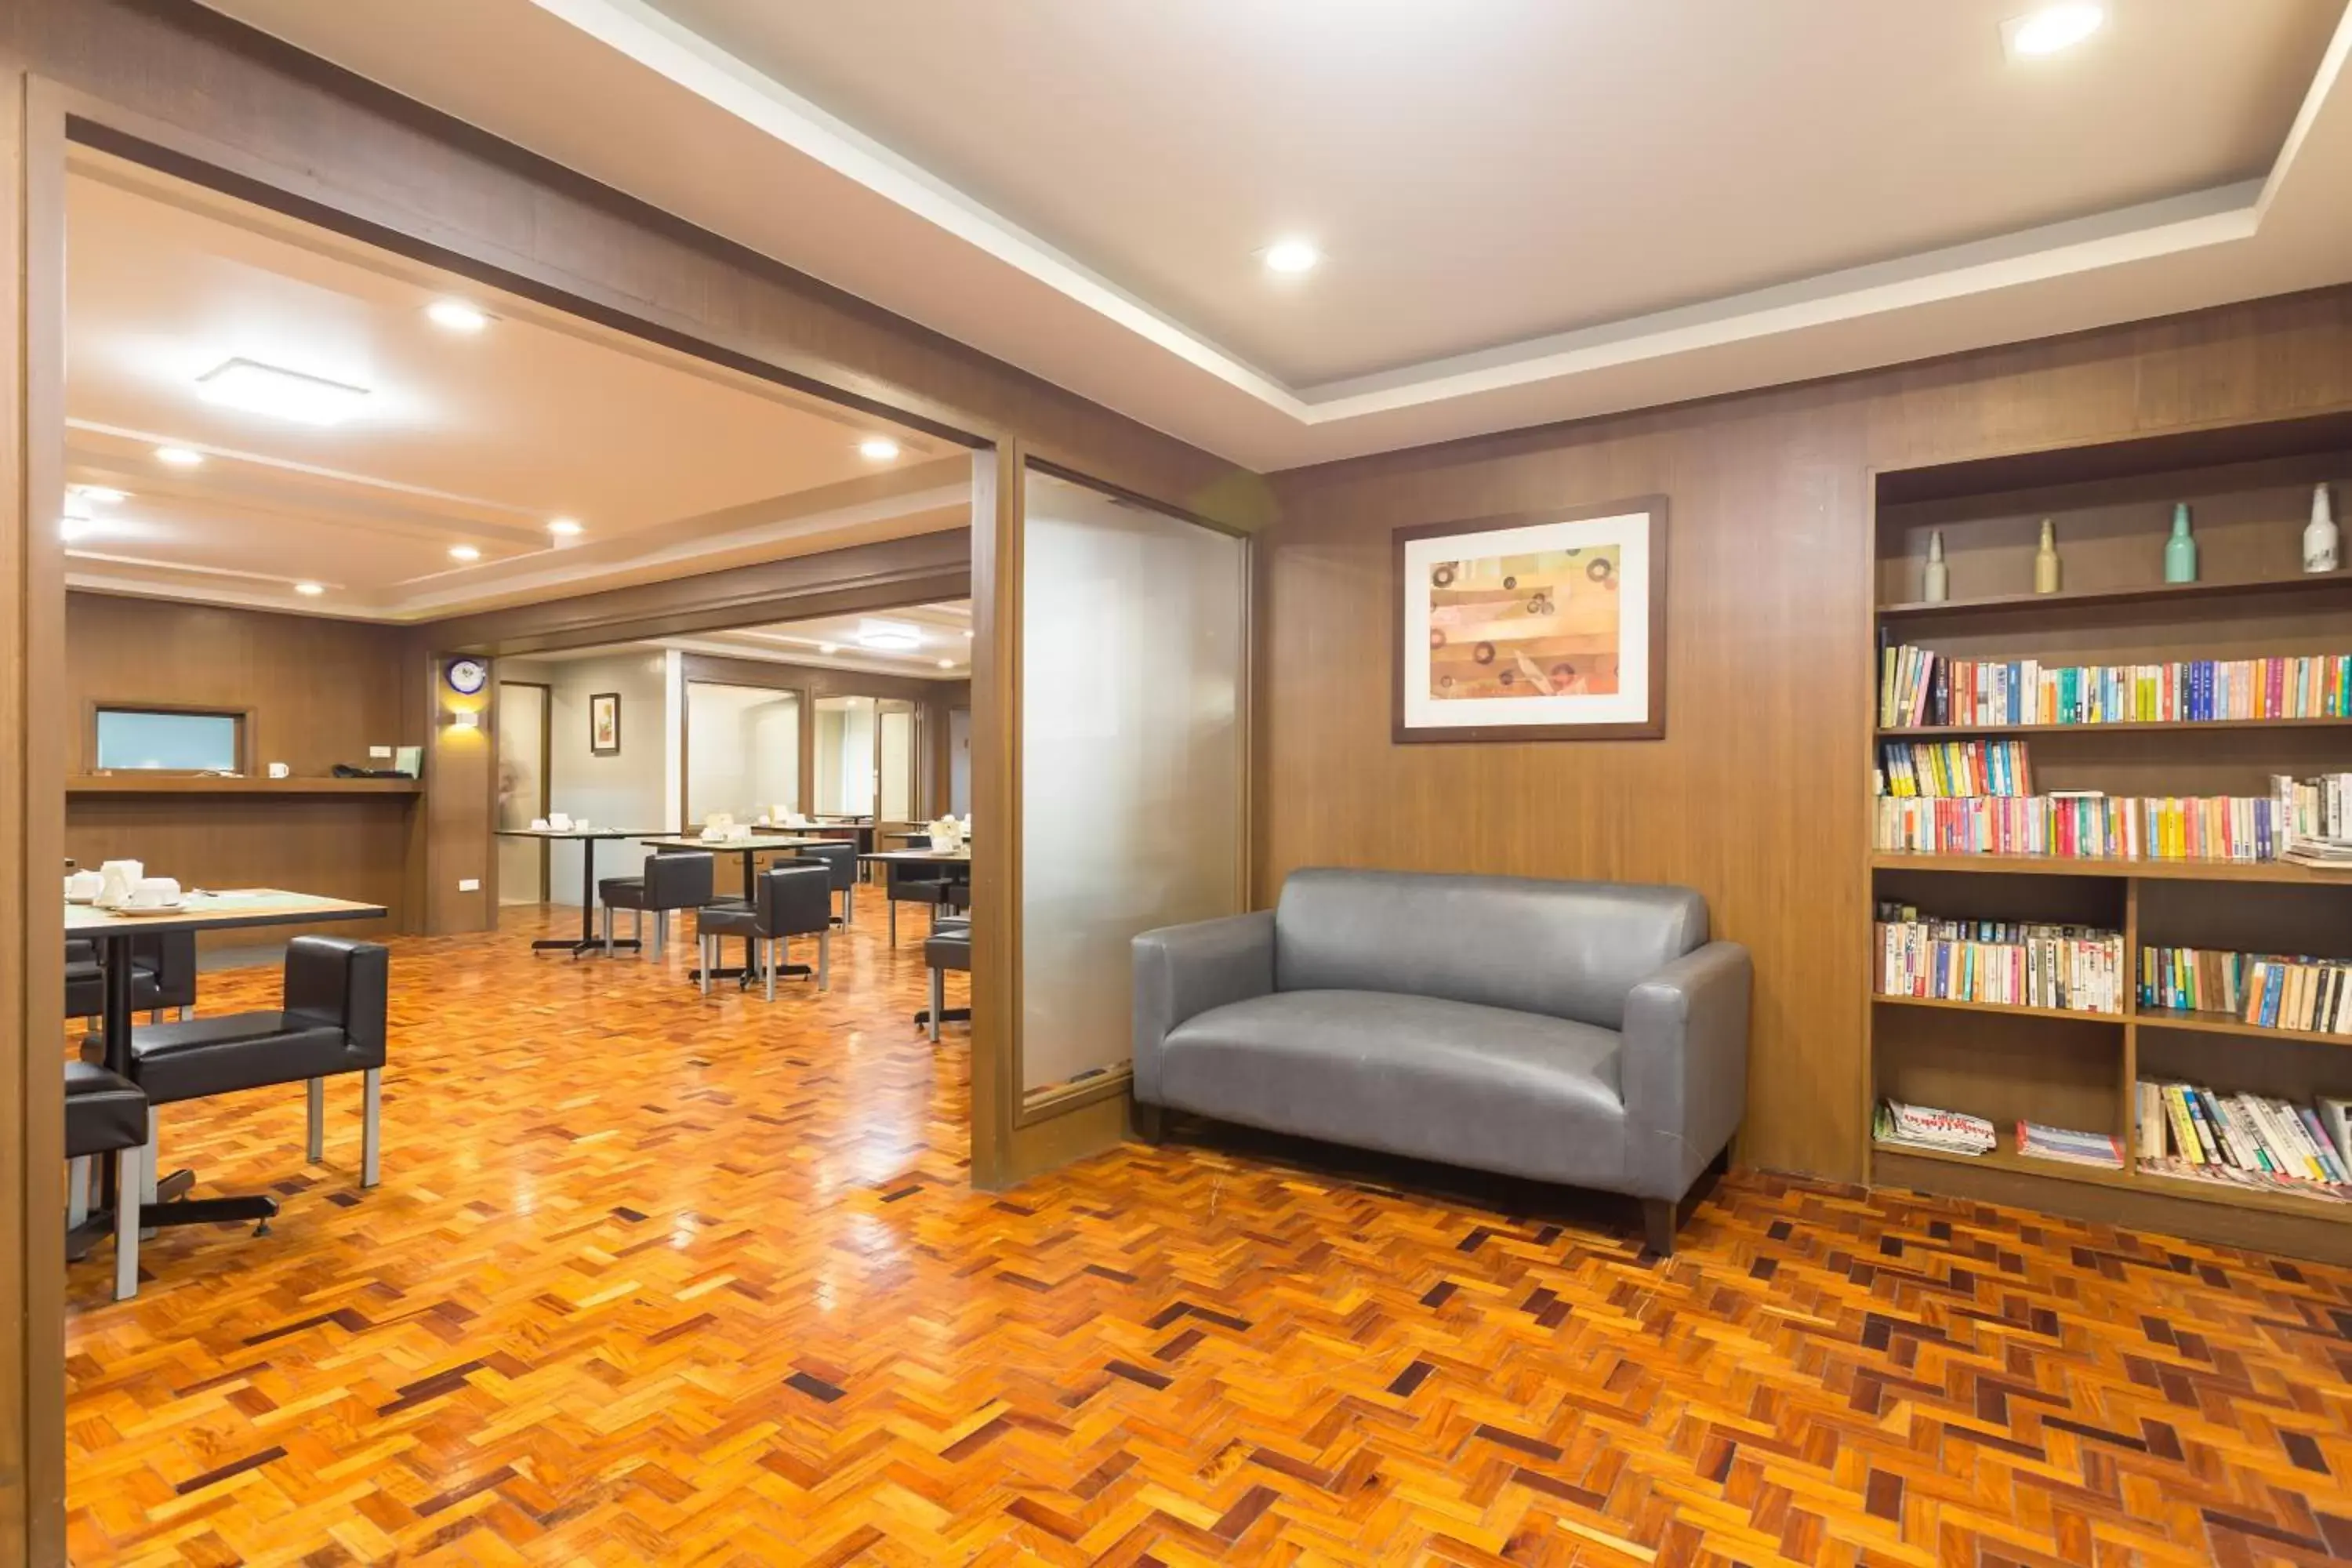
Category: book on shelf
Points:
column 1944, row 769
column 1925, row 1127
column 2081, row 826
column 2256, row 1140
column 2103, row 1150
column 2001, row 962
column 1919, row 686
column 2268, row 991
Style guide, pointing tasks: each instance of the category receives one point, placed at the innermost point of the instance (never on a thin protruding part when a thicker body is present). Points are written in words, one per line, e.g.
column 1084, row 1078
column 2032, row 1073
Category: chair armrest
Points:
column 1183, row 971
column 344, row 982
column 1684, row 1068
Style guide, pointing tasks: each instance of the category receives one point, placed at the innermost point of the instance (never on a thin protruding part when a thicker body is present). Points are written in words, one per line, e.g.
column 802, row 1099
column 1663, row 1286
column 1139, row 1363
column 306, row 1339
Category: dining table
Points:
column 113, row 929
column 587, row 838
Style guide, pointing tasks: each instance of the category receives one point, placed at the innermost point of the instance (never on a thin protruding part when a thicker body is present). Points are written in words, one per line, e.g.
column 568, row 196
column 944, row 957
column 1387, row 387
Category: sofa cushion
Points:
column 1567, row 950
column 1420, row 1076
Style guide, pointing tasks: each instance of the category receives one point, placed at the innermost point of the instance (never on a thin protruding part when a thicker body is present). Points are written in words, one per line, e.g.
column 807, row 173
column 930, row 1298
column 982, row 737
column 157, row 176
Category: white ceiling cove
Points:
column 1530, row 209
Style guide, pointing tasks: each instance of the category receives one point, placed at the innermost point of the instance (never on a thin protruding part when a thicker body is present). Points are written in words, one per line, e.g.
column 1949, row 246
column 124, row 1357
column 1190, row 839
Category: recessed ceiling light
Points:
column 1292, row 256
column 2051, row 28
column 288, row 395
column 877, row 449
column 889, row 637
column 828, row 648
column 179, row 457
column 464, row 553
column 564, row 528
column 73, row 528
column 101, row 494
column 308, row 590
column 457, row 315
column 947, row 664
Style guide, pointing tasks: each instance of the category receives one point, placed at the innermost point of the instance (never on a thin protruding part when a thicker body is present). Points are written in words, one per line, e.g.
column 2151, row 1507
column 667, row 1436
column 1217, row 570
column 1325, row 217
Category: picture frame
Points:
column 604, row 724
column 1576, row 654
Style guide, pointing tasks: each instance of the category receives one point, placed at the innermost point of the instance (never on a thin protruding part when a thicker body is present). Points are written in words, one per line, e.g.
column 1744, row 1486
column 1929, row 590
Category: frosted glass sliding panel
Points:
column 897, row 763
column 742, row 750
column 844, row 756
column 1134, row 632
column 184, row 741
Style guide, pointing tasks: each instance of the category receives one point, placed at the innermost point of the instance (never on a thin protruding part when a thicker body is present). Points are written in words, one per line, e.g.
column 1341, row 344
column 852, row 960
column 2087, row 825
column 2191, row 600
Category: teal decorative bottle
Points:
column 2180, row 550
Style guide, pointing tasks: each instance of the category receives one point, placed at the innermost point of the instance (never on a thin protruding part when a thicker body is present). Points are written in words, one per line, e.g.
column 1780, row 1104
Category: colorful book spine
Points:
column 1918, row 687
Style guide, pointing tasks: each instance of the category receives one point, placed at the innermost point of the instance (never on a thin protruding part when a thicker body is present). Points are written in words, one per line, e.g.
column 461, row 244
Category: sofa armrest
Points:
column 1183, row 971
column 1683, row 1073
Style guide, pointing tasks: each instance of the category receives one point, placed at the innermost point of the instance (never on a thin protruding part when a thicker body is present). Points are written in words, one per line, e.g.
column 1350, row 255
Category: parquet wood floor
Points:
column 652, row 1279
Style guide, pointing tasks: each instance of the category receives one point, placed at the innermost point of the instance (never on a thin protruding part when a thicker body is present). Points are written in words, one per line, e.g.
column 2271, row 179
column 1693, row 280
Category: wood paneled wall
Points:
column 1757, row 796
column 319, row 692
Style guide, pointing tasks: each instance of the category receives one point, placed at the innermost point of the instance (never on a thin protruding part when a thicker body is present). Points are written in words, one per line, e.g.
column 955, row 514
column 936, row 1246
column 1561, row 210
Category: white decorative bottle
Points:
column 2320, row 538
column 2045, row 559
column 1939, row 576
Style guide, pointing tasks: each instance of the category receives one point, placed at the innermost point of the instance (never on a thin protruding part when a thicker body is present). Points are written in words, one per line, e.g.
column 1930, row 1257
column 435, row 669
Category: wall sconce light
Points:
column 466, row 718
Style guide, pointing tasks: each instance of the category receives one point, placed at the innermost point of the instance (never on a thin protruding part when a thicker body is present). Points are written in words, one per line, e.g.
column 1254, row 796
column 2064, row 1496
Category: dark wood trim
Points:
column 1059, row 1100
column 244, row 717
column 1653, row 728
column 997, row 513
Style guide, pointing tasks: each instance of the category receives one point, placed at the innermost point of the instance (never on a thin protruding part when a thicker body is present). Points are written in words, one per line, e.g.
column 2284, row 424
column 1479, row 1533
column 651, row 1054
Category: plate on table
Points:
column 142, row 910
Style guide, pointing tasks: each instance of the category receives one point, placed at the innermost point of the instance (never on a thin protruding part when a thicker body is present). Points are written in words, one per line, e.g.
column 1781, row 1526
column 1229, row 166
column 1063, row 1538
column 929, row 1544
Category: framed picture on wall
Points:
column 604, row 724
column 1534, row 627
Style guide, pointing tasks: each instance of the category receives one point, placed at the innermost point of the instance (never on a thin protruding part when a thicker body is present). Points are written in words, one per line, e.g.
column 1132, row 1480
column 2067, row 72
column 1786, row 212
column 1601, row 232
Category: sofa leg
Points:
column 371, row 1127
column 1150, row 1122
column 315, row 1145
column 1658, row 1216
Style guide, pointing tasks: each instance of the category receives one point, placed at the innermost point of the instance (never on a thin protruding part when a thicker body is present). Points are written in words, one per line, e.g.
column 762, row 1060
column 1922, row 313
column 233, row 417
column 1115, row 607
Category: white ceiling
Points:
column 944, row 652
column 1533, row 209
column 669, row 465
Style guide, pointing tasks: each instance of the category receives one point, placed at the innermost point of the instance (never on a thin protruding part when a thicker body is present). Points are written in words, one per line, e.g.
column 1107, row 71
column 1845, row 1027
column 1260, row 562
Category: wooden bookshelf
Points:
column 2112, row 507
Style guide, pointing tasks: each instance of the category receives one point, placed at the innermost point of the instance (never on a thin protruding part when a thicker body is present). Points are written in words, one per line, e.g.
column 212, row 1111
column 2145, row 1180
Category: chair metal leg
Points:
column 894, row 923
column 824, row 959
column 148, row 1166
column 767, row 963
column 608, row 931
column 76, row 1191
column 849, row 905
column 637, row 931
column 317, row 1094
column 134, row 1168
column 938, row 1001
column 185, row 1013
column 155, row 1014
column 661, row 936
column 371, row 1127
column 702, row 954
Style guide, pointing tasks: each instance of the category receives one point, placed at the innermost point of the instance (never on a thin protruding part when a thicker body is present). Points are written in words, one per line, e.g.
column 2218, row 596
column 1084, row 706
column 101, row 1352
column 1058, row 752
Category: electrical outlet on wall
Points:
column 380, row 751
column 469, row 884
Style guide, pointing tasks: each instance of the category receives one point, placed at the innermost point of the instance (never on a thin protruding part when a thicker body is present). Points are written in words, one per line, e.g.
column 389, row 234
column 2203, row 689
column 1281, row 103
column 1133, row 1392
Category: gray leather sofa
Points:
column 1585, row 1033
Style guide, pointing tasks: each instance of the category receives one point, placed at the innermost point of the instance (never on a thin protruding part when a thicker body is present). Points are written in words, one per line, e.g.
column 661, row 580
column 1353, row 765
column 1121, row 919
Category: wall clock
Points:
column 468, row 676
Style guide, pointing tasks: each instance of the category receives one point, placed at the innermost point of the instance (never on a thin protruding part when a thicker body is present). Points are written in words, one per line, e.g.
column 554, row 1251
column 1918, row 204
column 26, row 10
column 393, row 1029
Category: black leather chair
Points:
column 948, row 947
column 840, row 861
column 934, row 884
column 788, row 901
column 673, row 879
column 106, row 1115
column 334, row 1022
column 163, row 975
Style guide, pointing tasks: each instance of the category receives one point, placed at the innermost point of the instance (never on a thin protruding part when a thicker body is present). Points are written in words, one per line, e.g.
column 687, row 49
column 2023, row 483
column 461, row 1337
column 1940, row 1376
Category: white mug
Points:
column 559, row 822
column 280, row 771
column 154, row 893
column 84, row 885
column 538, row 824
column 580, row 825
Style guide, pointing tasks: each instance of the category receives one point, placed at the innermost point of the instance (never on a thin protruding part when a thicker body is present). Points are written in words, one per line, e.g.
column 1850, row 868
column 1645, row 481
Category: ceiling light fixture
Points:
column 2051, row 28
column 179, row 457
column 1291, row 256
column 889, row 637
column 101, row 494
column 828, row 648
column 308, row 590
column 258, row 388
column 456, row 316
column 947, row 664
column 564, row 528
column 464, row 553
column 877, row 449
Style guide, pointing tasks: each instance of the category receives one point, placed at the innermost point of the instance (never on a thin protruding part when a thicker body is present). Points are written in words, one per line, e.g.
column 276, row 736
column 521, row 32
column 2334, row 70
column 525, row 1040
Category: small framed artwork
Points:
column 604, row 724
column 1534, row 627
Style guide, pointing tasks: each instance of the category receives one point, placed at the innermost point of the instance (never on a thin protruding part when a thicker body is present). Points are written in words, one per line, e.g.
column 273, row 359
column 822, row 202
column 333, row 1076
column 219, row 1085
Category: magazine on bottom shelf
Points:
column 1925, row 1127
column 2064, row 1144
